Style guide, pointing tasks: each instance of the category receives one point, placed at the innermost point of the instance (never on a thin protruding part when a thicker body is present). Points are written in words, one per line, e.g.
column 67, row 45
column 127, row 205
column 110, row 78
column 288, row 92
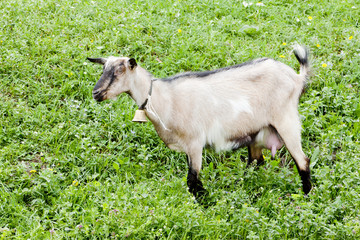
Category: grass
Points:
column 71, row 168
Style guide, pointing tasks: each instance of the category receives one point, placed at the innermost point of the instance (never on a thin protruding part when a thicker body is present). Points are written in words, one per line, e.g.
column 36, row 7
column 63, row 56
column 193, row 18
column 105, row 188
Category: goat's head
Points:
column 115, row 78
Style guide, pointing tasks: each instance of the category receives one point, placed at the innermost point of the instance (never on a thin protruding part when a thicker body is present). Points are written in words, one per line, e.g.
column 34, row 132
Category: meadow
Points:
column 72, row 168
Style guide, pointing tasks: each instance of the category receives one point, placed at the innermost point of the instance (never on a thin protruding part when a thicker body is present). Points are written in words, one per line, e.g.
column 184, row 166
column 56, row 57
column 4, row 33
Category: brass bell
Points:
column 140, row 116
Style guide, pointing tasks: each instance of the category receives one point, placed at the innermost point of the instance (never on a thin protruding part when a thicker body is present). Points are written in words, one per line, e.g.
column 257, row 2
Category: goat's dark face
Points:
column 115, row 78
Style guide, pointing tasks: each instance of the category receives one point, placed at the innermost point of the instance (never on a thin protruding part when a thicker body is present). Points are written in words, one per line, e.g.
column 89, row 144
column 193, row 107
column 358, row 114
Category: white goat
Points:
column 253, row 104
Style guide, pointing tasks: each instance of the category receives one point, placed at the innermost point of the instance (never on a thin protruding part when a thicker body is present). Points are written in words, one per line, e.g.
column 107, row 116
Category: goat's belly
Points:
column 232, row 144
column 175, row 146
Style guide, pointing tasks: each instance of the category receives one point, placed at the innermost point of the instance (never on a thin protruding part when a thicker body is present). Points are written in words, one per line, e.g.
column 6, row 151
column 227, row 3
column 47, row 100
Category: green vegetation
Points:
column 73, row 168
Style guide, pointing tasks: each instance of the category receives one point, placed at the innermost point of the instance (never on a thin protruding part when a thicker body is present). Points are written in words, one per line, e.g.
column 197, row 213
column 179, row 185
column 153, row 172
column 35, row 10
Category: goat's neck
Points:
column 140, row 85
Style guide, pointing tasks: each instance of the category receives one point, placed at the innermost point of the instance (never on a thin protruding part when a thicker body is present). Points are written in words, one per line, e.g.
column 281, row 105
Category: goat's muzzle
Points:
column 98, row 95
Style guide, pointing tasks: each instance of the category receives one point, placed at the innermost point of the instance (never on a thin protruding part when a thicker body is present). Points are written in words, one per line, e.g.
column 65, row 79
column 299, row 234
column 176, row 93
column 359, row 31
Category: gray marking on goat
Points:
column 208, row 73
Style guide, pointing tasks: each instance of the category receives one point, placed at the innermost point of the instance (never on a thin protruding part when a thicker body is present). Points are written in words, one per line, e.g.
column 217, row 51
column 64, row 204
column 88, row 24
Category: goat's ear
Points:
column 132, row 63
column 98, row 60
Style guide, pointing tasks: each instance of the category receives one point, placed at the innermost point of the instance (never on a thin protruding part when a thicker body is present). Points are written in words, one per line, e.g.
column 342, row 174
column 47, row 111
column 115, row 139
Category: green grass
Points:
column 71, row 168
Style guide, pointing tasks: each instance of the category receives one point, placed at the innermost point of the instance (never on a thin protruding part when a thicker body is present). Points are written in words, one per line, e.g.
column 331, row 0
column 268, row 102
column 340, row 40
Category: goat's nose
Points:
column 98, row 95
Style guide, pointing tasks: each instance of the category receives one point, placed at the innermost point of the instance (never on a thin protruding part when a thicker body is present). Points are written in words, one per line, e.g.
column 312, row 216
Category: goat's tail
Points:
column 302, row 55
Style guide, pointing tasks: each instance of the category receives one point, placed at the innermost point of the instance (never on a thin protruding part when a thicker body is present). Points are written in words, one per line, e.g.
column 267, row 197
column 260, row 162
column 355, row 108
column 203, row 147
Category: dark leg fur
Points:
column 305, row 178
column 195, row 185
column 255, row 153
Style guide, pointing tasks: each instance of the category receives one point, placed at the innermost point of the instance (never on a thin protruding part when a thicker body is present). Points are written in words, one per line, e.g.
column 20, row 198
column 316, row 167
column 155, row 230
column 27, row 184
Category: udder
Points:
column 269, row 138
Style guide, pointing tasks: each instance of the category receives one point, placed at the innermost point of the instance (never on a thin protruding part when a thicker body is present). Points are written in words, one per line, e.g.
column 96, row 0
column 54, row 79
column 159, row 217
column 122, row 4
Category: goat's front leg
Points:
column 193, row 181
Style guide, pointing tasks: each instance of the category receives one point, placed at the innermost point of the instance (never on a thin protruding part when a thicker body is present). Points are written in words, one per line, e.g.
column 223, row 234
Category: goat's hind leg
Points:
column 289, row 129
column 255, row 153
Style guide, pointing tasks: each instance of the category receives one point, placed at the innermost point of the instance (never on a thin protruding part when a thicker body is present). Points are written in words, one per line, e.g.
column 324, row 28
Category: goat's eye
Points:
column 120, row 69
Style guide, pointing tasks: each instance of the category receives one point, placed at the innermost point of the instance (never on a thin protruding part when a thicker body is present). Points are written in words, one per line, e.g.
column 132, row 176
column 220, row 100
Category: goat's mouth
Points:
column 99, row 95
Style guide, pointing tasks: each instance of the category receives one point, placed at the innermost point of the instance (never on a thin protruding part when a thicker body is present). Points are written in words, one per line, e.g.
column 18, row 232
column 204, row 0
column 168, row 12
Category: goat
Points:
column 252, row 104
